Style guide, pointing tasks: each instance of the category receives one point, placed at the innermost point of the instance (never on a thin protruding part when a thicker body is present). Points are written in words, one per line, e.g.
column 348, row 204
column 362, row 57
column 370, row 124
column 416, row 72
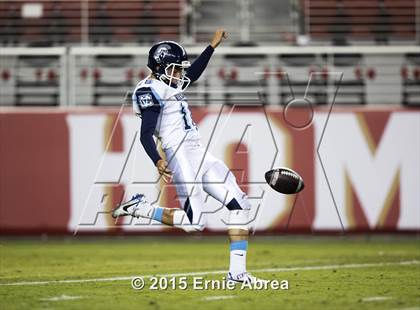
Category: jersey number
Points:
column 186, row 115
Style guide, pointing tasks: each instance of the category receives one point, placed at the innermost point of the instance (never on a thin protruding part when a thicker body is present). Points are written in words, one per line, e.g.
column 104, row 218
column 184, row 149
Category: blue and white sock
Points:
column 158, row 214
column 150, row 212
column 238, row 257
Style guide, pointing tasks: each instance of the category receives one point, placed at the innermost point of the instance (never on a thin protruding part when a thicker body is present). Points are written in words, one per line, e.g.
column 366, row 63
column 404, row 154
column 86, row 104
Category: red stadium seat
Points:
column 108, row 22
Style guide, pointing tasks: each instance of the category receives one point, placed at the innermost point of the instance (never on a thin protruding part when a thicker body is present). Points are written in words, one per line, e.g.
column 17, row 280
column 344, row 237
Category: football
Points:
column 284, row 180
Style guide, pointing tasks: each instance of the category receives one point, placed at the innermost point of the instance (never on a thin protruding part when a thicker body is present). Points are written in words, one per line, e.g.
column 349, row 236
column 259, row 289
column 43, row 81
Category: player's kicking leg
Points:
column 138, row 206
column 128, row 208
column 190, row 195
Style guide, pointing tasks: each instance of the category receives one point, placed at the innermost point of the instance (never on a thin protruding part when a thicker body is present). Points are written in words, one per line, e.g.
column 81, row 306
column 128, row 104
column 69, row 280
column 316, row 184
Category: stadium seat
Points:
column 344, row 21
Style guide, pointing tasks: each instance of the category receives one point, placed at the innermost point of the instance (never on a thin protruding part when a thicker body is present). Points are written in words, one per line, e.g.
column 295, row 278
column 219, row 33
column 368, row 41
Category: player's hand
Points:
column 162, row 166
column 218, row 37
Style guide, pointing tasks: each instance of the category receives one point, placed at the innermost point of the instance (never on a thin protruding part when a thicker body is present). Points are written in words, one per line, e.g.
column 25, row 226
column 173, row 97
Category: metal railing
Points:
column 236, row 75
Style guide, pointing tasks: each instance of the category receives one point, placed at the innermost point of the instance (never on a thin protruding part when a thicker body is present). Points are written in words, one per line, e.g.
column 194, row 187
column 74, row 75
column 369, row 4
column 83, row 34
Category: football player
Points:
column 162, row 106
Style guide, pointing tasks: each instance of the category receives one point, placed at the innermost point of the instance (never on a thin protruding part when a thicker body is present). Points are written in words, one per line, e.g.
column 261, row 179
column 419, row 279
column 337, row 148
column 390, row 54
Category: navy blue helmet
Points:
column 165, row 59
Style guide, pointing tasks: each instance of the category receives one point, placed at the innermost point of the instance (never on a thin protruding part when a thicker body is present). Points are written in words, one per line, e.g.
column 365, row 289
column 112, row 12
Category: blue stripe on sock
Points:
column 157, row 215
column 239, row 245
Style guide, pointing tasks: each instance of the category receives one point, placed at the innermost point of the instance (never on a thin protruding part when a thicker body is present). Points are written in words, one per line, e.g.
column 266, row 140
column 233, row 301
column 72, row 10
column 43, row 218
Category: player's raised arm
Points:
column 199, row 65
column 218, row 37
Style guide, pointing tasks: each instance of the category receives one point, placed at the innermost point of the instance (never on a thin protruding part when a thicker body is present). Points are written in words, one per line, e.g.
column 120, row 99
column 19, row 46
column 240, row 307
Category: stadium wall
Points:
column 63, row 170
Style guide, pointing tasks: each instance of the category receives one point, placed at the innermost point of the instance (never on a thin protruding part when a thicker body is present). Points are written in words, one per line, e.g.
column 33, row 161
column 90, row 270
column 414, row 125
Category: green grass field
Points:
column 323, row 273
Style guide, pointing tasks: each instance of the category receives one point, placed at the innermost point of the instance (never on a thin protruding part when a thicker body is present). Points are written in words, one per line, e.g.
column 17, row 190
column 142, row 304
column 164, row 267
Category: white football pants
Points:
column 196, row 172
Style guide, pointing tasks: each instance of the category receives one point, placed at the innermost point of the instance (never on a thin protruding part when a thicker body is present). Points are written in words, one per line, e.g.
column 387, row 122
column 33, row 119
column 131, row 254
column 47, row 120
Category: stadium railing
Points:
column 33, row 76
column 236, row 75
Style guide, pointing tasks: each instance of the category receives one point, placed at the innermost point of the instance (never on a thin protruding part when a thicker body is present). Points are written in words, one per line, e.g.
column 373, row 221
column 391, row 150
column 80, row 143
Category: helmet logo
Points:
column 145, row 100
column 161, row 52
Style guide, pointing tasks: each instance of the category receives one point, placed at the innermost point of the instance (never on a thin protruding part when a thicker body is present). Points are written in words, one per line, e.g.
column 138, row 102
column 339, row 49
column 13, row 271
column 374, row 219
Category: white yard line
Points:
column 210, row 298
column 62, row 297
column 203, row 273
column 376, row 298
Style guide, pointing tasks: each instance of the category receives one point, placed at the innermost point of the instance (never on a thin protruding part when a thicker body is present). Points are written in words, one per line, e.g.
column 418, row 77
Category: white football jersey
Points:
column 175, row 123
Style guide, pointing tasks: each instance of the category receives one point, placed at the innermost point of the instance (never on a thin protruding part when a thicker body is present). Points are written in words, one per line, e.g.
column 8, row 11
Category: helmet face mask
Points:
column 176, row 74
column 168, row 61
